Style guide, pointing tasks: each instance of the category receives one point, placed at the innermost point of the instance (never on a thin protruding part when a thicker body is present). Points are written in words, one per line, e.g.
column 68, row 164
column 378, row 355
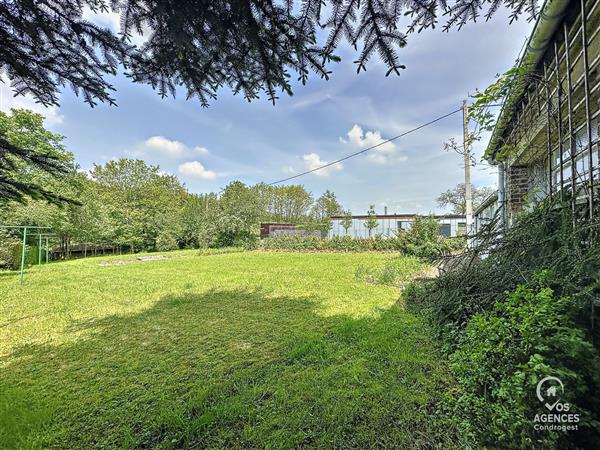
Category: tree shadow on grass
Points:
column 227, row 369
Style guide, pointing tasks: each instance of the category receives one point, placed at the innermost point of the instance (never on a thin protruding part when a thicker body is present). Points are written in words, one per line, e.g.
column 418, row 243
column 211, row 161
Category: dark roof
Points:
column 278, row 224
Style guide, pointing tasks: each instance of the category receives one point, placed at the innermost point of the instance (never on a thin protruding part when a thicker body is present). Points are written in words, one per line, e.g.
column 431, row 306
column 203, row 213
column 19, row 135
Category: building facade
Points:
column 546, row 139
column 389, row 225
column 271, row 229
column 485, row 213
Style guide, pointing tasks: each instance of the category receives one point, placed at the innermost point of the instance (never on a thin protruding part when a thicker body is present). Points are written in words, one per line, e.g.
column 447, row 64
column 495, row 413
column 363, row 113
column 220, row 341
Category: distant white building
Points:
column 389, row 224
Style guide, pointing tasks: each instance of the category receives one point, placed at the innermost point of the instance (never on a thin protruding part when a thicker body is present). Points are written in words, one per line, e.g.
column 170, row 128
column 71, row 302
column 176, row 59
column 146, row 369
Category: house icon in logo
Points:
column 551, row 391
column 544, row 394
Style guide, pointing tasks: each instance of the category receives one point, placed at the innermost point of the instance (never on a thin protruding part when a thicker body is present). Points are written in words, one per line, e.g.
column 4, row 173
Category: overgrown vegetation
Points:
column 252, row 350
column 519, row 308
column 127, row 205
column 335, row 243
column 504, row 352
column 422, row 239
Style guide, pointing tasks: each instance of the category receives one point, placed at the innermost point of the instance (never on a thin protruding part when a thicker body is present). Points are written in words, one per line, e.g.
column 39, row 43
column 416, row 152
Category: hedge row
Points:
column 402, row 243
column 520, row 313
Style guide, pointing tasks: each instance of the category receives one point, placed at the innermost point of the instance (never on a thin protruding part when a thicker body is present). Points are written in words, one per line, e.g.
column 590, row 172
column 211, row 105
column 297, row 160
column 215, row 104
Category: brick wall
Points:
column 518, row 186
column 266, row 229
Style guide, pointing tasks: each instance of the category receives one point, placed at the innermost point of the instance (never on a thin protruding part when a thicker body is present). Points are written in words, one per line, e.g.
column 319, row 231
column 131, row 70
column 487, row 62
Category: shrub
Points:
column 346, row 243
column 501, row 345
column 10, row 255
column 421, row 240
column 208, row 235
column 295, row 243
column 248, row 241
column 211, row 237
column 336, row 243
column 540, row 239
column 15, row 256
column 505, row 352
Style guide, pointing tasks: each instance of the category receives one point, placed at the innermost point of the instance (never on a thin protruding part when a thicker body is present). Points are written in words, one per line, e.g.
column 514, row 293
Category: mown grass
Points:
column 240, row 350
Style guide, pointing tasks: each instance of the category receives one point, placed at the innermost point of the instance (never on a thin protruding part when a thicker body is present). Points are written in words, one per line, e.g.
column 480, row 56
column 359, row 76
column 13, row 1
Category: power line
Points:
column 352, row 155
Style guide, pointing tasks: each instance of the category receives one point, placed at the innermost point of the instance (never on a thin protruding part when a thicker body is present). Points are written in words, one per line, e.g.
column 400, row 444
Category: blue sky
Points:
column 324, row 120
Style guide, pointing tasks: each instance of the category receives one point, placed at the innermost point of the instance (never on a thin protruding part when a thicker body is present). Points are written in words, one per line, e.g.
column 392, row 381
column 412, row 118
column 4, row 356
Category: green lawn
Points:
column 239, row 350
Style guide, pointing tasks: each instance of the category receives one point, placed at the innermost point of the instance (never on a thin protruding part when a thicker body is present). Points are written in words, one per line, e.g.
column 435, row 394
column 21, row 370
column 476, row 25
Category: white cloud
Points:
column 165, row 146
column 7, row 101
column 380, row 155
column 160, row 145
column 197, row 170
column 313, row 161
column 107, row 19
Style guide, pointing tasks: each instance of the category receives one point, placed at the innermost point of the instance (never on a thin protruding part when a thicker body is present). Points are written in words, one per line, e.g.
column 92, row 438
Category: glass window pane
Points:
column 445, row 229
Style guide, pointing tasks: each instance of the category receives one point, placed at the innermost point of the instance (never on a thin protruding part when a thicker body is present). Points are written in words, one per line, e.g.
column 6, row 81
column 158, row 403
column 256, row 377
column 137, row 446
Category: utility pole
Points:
column 467, row 160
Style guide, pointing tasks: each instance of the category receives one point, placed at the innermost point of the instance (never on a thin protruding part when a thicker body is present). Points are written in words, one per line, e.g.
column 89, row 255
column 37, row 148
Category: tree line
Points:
column 135, row 206
column 127, row 205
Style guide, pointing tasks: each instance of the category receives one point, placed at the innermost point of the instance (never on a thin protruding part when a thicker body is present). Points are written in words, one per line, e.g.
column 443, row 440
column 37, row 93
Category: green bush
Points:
column 505, row 352
column 421, row 240
column 336, row 243
column 346, row 243
column 210, row 237
column 295, row 243
column 13, row 255
column 541, row 239
column 500, row 345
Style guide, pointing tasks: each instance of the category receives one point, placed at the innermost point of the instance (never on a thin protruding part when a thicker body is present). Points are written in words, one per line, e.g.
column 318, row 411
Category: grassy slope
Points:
column 237, row 350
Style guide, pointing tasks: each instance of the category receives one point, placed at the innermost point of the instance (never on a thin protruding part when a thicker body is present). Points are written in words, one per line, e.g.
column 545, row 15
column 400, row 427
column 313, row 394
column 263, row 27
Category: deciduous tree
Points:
column 289, row 204
column 140, row 201
column 371, row 222
column 324, row 208
column 32, row 159
column 347, row 221
column 455, row 198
